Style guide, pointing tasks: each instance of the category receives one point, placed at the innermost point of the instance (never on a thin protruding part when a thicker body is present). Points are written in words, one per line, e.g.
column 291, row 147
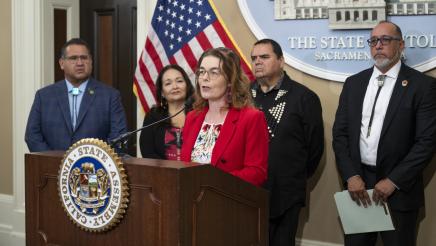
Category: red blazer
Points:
column 242, row 145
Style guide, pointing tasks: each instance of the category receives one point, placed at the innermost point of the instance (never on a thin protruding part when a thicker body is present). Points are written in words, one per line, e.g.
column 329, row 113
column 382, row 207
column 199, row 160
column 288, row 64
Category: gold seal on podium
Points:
column 92, row 185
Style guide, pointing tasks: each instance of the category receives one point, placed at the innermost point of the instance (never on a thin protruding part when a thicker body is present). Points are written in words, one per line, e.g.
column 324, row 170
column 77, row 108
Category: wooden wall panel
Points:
column 105, row 48
column 60, row 38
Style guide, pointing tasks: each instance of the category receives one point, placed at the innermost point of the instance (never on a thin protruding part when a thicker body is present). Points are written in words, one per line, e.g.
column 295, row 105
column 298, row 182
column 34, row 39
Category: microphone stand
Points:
column 124, row 138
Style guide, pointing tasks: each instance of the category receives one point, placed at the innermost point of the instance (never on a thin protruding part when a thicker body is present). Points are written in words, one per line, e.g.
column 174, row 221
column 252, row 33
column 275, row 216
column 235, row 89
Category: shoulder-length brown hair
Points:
column 239, row 95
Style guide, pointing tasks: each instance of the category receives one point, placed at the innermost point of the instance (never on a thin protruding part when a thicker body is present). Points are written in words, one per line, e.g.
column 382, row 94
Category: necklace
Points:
column 273, row 114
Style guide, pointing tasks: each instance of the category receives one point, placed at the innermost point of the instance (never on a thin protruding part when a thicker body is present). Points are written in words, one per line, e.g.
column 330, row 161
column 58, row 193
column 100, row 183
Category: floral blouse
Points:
column 203, row 147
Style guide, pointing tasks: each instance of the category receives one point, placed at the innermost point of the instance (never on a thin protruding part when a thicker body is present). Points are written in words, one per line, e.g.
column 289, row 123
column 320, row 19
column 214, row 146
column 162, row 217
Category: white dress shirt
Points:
column 369, row 144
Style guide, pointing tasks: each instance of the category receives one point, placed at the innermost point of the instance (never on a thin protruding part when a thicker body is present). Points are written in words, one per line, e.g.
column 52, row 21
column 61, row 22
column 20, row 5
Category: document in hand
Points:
column 358, row 219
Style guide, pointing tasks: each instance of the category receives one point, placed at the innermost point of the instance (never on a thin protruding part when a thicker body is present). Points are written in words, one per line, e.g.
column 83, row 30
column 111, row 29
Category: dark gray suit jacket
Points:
column 408, row 138
column 49, row 127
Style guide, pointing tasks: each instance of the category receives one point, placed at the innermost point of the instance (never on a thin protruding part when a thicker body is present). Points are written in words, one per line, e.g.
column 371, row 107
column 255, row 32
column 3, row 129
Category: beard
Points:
column 384, row 63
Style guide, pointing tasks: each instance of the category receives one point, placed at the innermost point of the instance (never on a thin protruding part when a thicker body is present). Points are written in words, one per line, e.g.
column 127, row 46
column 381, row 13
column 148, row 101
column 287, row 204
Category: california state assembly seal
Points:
column 92, row 185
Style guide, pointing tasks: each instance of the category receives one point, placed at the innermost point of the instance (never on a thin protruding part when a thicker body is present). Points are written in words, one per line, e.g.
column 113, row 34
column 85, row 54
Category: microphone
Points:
column 124, row 138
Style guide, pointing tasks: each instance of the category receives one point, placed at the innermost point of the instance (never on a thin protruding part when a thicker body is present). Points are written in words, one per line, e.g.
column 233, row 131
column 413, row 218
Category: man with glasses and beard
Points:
column 74, row 108
column 384, row 136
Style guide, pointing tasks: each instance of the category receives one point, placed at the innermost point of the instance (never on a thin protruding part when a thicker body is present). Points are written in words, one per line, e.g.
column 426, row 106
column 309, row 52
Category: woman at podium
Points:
column 224, row 129
column 164, row 140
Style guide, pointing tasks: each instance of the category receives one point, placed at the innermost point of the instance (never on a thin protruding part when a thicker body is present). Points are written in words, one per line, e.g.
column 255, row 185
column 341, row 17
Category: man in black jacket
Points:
column 294, row 118
column 384, row 136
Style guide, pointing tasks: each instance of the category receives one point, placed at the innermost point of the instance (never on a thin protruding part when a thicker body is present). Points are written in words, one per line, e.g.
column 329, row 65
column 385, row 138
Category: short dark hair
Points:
column 74, row 41
column 397, row 28
column 161, row 104
column 276, row 46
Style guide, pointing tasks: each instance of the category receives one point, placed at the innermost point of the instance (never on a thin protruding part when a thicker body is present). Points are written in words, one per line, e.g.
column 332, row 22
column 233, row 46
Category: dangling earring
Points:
column 229, row 95
column 163, row 102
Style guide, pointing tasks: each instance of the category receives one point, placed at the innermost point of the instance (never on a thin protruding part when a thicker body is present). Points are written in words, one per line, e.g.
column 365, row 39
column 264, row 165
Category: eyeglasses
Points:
column 384, row 40
column 75, row 59
column 213, row 73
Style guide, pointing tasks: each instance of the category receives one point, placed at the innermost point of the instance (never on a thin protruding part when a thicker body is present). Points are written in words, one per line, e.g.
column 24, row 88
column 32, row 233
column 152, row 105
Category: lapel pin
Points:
column 404, row 83
column 91, row 92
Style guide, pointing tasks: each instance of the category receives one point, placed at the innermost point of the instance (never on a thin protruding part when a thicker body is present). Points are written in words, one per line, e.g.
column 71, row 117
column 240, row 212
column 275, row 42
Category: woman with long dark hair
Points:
column 164, row 140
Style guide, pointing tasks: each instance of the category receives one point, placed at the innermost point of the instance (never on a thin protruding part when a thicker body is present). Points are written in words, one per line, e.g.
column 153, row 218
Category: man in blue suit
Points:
column 75, row 108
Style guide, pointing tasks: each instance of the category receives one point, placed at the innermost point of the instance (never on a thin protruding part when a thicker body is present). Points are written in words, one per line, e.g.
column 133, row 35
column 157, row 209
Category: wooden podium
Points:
column 171, row 203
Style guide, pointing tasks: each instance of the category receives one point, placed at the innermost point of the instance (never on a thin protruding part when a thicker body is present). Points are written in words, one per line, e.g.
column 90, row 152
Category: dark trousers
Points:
column 405, row 223
column 282, row 229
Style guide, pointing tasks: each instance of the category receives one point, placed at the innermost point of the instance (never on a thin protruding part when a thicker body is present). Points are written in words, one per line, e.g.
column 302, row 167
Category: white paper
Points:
column 358, row 219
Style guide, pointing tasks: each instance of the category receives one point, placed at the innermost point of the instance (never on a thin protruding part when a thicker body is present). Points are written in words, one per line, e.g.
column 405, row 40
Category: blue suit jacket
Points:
column 101, row 115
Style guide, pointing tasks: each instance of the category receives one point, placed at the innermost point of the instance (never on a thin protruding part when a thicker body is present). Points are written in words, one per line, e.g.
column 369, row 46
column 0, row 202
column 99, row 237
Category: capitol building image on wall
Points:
column 351, row 14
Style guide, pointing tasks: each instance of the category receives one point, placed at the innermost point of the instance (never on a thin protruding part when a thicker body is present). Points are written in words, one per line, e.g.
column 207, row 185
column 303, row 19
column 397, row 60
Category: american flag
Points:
column 181, row 30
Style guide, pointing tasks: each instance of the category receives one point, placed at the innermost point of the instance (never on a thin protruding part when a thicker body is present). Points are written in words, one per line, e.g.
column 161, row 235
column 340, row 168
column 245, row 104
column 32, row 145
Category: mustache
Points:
column 379, row 53
column 383, row 61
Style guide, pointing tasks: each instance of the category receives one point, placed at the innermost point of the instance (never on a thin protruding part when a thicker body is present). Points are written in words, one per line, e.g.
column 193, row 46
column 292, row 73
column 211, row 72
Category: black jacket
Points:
column 151, row 141
column 297, row 145
column 408, row 138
